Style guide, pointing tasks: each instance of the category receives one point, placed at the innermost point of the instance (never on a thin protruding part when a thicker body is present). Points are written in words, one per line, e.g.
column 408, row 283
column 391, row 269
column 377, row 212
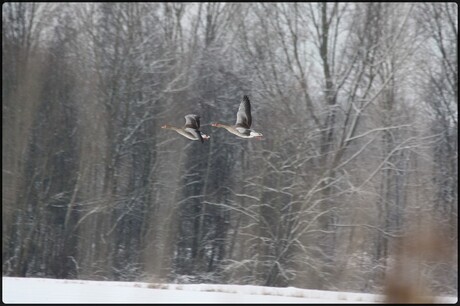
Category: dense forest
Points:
column 357, row 102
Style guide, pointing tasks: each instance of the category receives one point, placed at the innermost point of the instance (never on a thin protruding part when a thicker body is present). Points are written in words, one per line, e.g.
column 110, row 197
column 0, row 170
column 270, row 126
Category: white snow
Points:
column 44, row 290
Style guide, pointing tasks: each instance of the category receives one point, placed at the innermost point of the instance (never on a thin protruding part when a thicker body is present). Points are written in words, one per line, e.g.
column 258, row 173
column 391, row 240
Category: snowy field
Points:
column 41, row 290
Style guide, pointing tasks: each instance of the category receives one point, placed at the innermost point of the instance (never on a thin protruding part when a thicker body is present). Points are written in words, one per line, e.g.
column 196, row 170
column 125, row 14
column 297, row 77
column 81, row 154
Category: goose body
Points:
column 191, row 129
column 242, row 127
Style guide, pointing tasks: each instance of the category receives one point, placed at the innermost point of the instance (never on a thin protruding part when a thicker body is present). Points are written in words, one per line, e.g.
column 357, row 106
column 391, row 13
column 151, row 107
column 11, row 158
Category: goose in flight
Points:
column 191, row 129
column 242, row 127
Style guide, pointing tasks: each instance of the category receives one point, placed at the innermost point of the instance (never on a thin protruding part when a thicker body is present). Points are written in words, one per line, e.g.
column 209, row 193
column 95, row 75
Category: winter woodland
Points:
column 355, row 182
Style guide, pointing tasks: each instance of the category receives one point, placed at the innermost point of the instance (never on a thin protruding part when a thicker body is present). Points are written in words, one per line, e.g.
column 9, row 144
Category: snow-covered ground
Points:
column 42, row 290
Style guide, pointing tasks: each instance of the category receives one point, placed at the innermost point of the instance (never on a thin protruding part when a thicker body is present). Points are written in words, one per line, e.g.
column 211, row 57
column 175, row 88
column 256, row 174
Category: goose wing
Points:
column 192, row 121
column 243, row 116
column 195, row 133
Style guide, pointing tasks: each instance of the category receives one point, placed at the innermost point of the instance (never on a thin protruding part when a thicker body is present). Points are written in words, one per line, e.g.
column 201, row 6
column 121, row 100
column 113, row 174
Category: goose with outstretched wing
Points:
column 191, row 129
column 242, row 127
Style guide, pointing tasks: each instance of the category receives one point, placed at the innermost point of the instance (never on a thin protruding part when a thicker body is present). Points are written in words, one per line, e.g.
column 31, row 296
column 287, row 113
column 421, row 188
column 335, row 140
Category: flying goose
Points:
column 191, row 129
column 242, row 128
